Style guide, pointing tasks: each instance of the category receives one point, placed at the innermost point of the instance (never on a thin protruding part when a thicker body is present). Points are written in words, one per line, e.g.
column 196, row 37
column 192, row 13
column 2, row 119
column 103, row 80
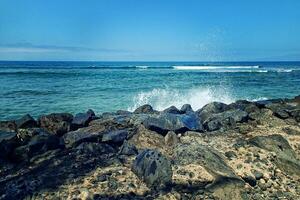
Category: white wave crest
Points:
column 142, row 67
column 197, row 97
column 212, row 67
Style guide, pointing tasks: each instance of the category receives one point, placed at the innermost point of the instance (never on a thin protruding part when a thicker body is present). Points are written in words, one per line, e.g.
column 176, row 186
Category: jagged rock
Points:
column 171, row 139
column 37, row 145
column 206, row 157
column 186, row 108
column 74, row 138
column 225, row 119
column 26, row 122
column 115, row 136
column 243, row 105
column 82, row 119
column 56, row 123
column 172, row 109
column 153, row 168
column 128, row 149
column 212, row 108
column 286, row 158
column 145, row 109
column 147, row 139
column 165, row 122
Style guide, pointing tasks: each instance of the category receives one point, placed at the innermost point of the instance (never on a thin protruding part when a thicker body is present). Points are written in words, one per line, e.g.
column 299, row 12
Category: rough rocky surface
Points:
column 244, row 150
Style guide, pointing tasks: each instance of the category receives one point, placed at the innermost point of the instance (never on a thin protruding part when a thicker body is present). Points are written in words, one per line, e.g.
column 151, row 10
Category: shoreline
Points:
column 242, row 150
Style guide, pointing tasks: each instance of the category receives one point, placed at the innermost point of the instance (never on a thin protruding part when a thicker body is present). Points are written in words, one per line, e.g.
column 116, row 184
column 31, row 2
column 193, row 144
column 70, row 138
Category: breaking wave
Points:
column 213, row 67
column 197, row 97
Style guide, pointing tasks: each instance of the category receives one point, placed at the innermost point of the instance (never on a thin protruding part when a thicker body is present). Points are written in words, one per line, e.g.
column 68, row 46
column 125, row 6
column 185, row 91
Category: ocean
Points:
column 46, row 87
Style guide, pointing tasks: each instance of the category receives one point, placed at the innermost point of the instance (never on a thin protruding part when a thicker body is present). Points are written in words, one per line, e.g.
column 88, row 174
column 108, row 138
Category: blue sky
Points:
column 150, row 30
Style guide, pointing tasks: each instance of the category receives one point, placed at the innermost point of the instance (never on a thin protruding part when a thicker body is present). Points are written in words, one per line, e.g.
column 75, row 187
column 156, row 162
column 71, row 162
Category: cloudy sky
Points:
column 150, row 30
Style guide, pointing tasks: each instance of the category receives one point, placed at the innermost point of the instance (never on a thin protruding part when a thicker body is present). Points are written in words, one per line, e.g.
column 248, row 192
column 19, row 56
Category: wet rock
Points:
column 243, row 105
column 209, row 109
column 145, row 109
column 171, row 139
column 83, row 119
column 26, row 122
column 225, row 119
column 153, row 168
column 186, row 108
column 115, row 136
column 165, row 122
column 172, row 110
column 128, row 149
column 56, row 123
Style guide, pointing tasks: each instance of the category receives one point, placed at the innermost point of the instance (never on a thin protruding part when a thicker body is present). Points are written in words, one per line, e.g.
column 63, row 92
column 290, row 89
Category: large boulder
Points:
column 145, row 109
column 172, row 109
column 225, row 119
column 26, row 122
column 162, row 123
column 244, row 105
column 83, row 119
column 74, row 138
column 56, row 123
column 116, row 137
column 205, row 156
column 286, row 158
column 153, row 168
column 212, row 108
column 186, row 108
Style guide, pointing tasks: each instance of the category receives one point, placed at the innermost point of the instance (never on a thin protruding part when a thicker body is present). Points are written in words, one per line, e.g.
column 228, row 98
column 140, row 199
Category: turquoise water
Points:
column 43, row 87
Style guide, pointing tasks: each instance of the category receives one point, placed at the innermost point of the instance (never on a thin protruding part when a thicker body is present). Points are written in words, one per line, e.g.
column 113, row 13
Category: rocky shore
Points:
column 244, row 150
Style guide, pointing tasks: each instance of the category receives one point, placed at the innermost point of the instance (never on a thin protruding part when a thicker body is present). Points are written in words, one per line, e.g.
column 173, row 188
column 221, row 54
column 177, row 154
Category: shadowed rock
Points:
column 82, row 119
column 145, row 109
column 172, row 109
column 26, row 122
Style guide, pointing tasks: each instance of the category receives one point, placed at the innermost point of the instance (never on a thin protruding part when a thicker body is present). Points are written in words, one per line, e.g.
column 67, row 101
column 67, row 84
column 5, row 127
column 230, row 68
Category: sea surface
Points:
column 45, row 87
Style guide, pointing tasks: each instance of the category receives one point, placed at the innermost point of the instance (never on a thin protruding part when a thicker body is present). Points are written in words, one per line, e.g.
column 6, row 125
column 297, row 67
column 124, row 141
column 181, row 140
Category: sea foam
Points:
column 165, row 97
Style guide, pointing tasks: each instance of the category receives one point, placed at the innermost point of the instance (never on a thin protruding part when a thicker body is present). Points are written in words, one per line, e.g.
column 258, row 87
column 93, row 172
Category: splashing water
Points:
column 197, row 97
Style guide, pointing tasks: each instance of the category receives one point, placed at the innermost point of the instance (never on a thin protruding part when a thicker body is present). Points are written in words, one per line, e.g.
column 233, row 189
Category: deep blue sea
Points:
column 45, row 87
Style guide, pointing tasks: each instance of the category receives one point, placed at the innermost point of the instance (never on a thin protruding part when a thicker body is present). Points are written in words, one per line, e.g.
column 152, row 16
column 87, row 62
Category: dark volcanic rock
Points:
column 205, row 156
column 212, row 108
column 286, row 158
column 56, row 123
column 145, row 109
column 165, row 122
column 26, row 122
column 74, row 138
column 153, row 168
column 172, row 109
column 225, row 119
column 115, row 136
column 82, row 119
column 186, row 108
column 128, row 149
